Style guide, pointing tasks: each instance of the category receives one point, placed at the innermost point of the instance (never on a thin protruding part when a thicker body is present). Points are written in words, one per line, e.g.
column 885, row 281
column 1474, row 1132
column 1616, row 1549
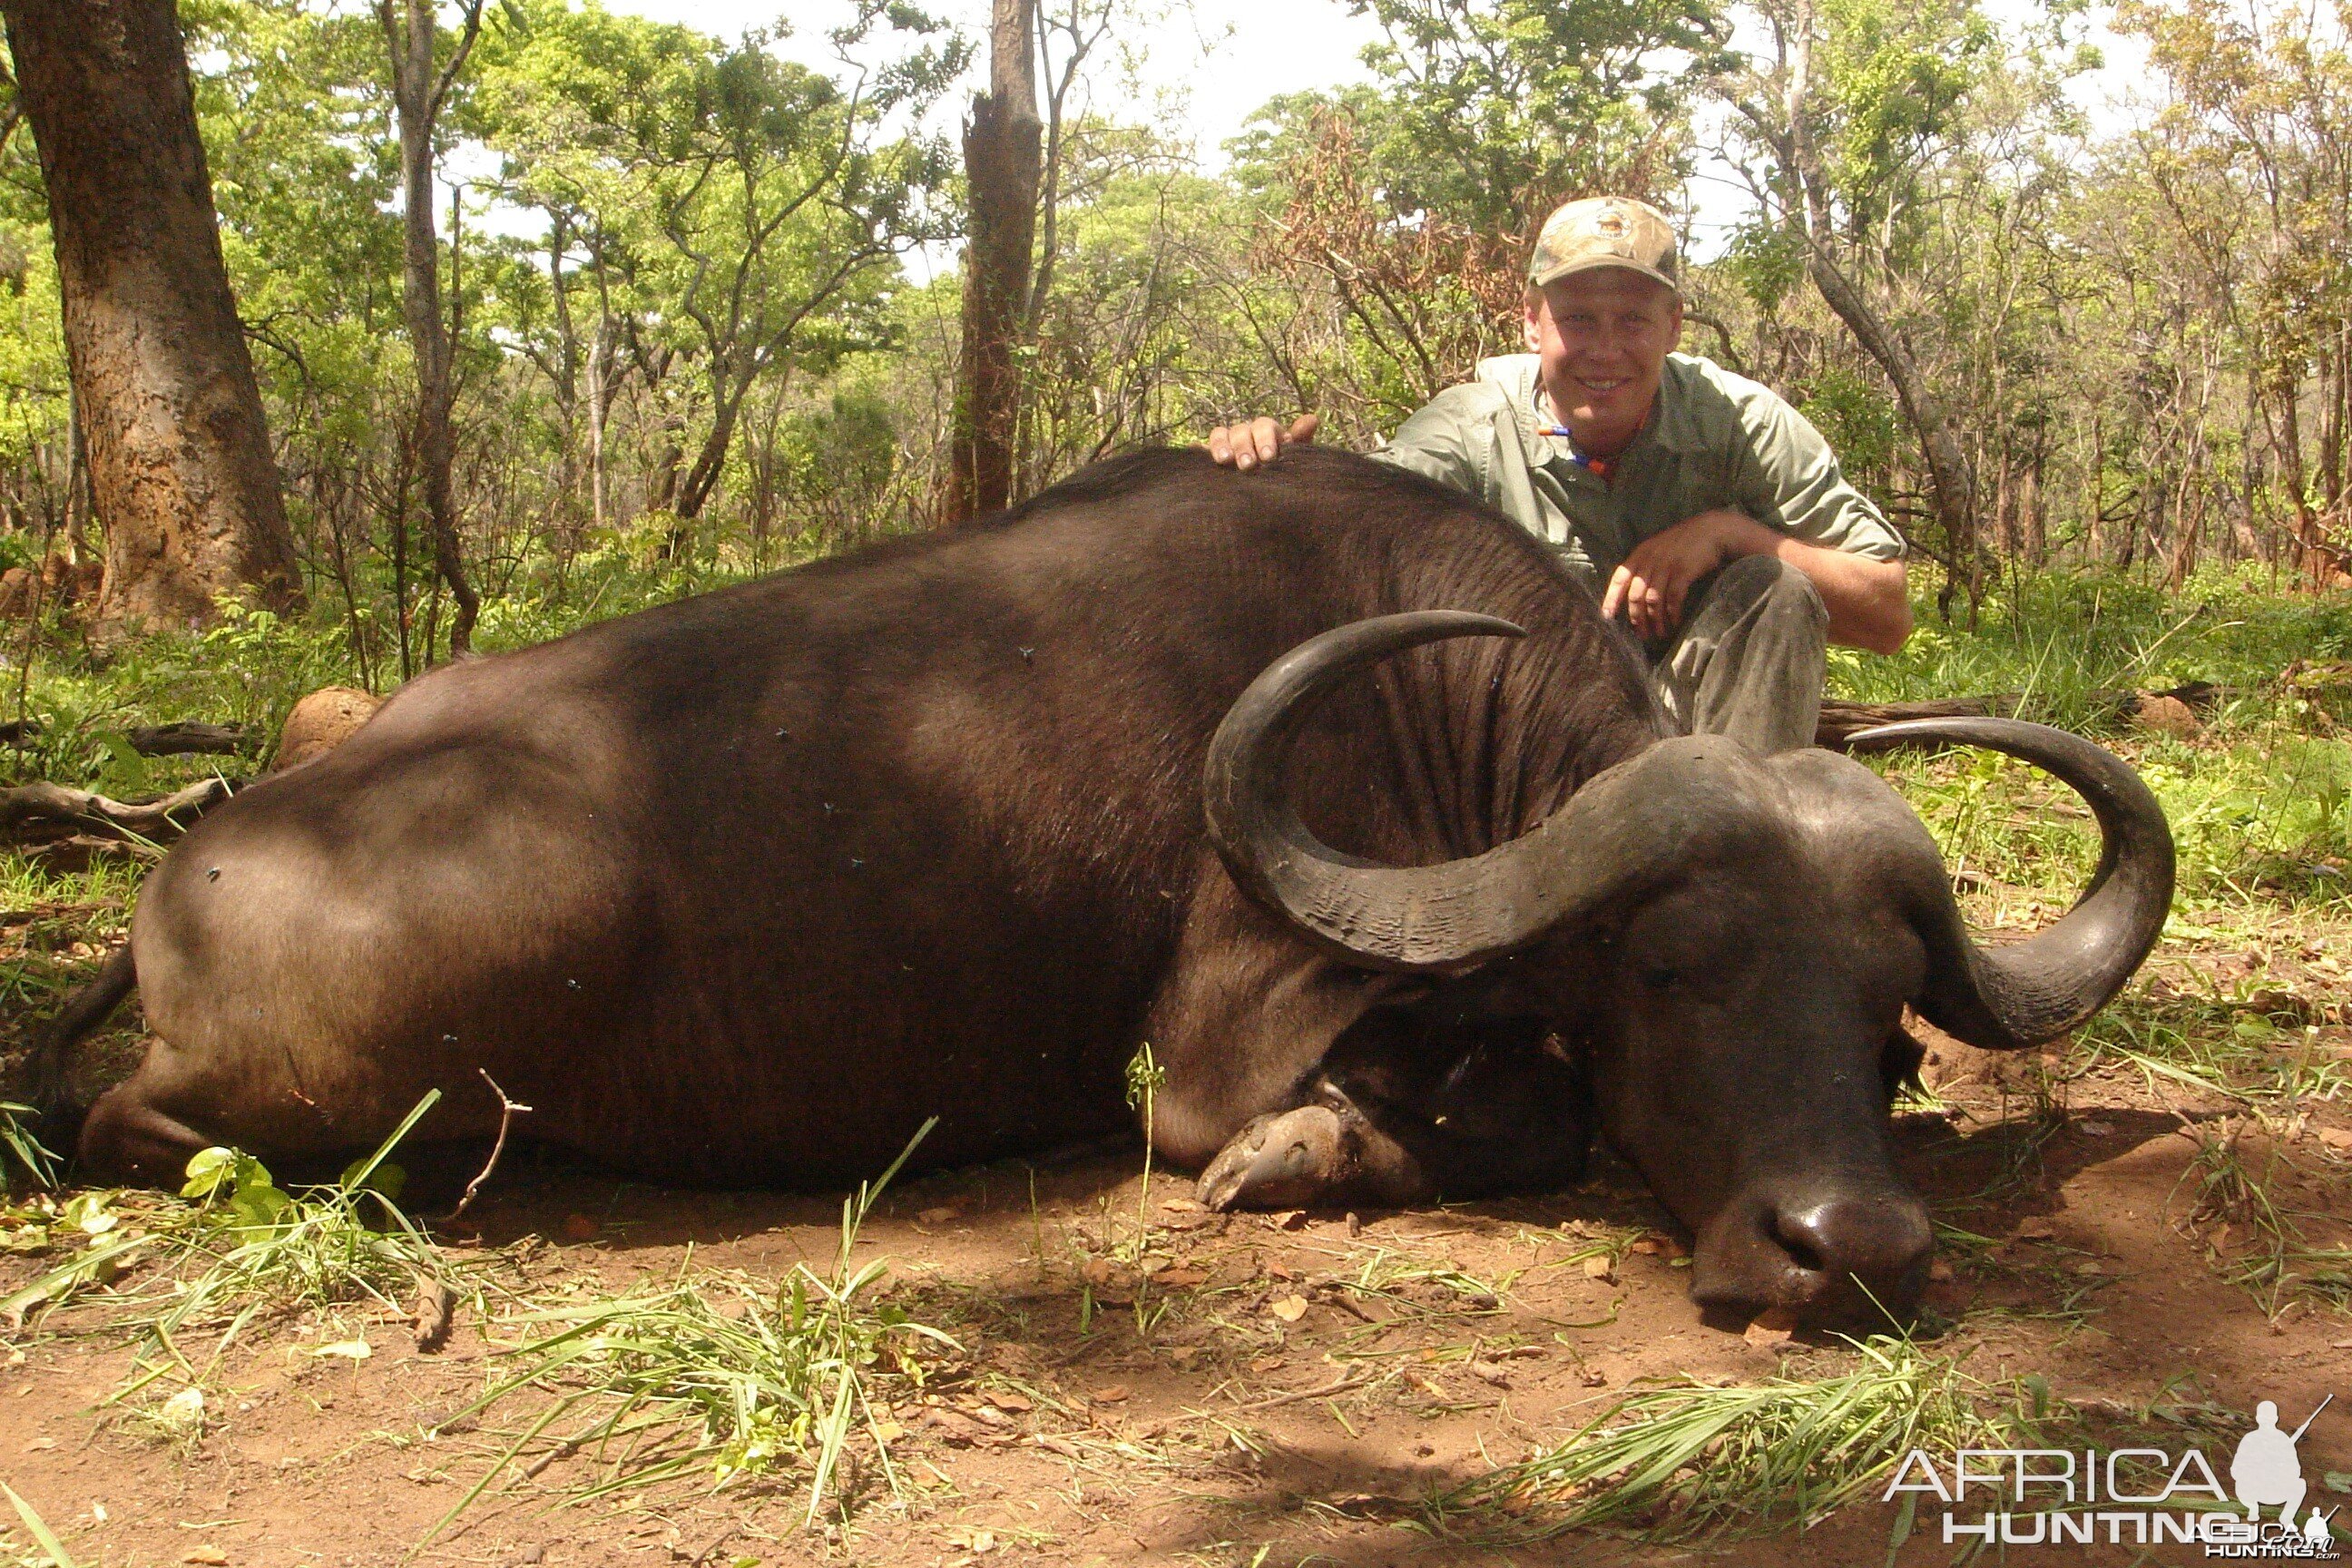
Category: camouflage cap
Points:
column 1606, row 231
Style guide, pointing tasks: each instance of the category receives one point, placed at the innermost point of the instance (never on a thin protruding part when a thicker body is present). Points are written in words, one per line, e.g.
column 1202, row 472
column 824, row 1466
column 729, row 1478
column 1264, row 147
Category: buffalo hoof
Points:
column 1287, row 1160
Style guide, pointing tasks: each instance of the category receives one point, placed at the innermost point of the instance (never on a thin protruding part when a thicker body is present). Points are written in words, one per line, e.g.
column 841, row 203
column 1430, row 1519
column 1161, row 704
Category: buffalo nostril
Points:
column 1799, row 1235
column 1878, row 1240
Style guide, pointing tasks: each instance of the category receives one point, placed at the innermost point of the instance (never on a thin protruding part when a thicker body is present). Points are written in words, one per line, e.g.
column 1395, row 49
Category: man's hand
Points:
column 1246, row 444
column 1651, row 585
column 1866, row 600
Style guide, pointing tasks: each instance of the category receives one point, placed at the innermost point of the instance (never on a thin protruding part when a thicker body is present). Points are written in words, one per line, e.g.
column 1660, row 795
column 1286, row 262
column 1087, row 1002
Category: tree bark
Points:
column 1947, row 465
column 178, row 458
column 710, row 462
column 1001, row 156
column 2321, row 558
column 419, row 89
column 1949, row 474
column 567, row 381
column 600, row 406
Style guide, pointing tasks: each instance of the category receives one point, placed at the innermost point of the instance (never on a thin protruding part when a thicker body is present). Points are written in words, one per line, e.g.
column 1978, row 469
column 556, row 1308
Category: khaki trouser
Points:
column 1749, row 659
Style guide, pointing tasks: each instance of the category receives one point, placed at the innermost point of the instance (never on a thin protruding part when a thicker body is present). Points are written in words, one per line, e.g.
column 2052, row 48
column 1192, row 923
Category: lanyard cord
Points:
column 1597, row 467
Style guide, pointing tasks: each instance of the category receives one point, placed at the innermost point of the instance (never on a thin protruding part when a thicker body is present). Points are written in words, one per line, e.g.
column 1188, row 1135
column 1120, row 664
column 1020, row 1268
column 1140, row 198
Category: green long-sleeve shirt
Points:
column 1714, row 440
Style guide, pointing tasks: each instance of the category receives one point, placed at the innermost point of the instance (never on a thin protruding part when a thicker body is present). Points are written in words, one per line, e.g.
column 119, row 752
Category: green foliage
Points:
column 824, row 475
column 2258, row 803
column 32, row 368
column 1487, row 116
column 1145, row 1078
column 738, row 207
column 1765, row 262
column 21, row 1148
column 1855, row 414
column 693, row 249
column 756, row 1376
column 2064, row 637
column 2222, row 1041
column 236, row 1247
column 1897, row 76
column 1694, row 1460
column 248, row 668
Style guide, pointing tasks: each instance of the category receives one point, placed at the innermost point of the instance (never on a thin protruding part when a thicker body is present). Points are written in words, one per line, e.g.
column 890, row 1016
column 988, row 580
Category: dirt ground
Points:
column 1253, row 1410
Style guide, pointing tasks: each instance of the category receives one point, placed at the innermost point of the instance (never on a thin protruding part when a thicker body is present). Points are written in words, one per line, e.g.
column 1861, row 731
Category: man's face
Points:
column 1603, row 336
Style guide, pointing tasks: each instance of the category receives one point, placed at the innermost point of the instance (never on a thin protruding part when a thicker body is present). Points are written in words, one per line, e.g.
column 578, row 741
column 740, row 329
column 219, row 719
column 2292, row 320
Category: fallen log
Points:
column 183, row 739
column 28, row 809
column 59, row 908
column 192, row 738
column 1840, row 720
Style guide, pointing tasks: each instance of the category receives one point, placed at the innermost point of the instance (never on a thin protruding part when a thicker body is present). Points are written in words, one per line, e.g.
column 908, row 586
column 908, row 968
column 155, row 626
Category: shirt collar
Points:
column 1671, row 425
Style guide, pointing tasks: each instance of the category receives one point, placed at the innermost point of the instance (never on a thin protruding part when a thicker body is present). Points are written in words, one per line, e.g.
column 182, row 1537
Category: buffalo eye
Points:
column 1660, row 977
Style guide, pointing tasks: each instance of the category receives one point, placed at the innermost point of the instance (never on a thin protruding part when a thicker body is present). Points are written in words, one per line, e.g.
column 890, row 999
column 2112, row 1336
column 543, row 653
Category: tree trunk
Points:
column 78, row 501
column 178, row 458
column 1947, row 464
column 1001, row 156
column 600, row 406
column 661, row 495
column 418, row 92
column 2036, row 511
column 2331, row 370
column 567, row 384
column 2322, row 559
column 2094, row 491
column 728, row 392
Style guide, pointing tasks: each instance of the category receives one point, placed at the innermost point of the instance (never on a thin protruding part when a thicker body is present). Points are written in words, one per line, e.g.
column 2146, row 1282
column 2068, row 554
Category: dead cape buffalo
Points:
column 742, row 889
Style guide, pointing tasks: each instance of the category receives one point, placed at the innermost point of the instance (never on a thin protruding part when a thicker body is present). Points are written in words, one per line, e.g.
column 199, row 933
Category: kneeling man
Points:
column 1703, row 509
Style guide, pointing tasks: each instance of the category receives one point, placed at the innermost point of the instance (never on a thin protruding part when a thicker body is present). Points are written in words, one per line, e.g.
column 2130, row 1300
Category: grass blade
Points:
column 39, row 1528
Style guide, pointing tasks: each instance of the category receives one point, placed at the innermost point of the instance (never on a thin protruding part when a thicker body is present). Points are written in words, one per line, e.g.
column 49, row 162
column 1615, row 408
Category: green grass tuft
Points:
column 232, row 1249
column 716, row 1373
column 1694, row 1460
column 22, row 1153
column 2259, row 799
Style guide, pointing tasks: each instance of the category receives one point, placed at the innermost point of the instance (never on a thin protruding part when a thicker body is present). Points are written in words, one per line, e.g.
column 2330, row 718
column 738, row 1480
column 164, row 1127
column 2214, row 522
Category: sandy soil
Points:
column 1263, row 1416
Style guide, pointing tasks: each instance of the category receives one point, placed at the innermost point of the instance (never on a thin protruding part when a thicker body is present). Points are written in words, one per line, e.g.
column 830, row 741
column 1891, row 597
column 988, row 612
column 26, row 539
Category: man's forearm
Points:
column 1868, row 600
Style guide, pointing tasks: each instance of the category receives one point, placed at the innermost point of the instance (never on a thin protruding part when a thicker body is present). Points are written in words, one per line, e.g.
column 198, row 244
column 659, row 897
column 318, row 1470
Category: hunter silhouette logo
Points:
column 2267, row 1471
column 2140, row 1496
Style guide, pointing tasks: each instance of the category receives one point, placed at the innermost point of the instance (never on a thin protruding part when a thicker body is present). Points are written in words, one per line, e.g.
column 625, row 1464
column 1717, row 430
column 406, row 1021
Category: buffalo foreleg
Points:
column 1403, row 1112
column 1245, row 1019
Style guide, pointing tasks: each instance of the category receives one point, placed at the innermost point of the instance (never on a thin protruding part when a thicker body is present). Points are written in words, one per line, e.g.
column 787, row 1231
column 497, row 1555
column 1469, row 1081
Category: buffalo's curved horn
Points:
column 2003, row 998
column 1447, row 916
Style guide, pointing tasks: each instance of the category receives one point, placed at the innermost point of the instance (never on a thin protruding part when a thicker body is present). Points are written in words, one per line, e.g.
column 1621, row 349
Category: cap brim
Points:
column 1594, row 264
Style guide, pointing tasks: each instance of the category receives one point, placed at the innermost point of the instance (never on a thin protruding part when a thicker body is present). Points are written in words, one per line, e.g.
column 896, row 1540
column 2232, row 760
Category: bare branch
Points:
column 473, row 30
column 508, row 1110
column 48, row 804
